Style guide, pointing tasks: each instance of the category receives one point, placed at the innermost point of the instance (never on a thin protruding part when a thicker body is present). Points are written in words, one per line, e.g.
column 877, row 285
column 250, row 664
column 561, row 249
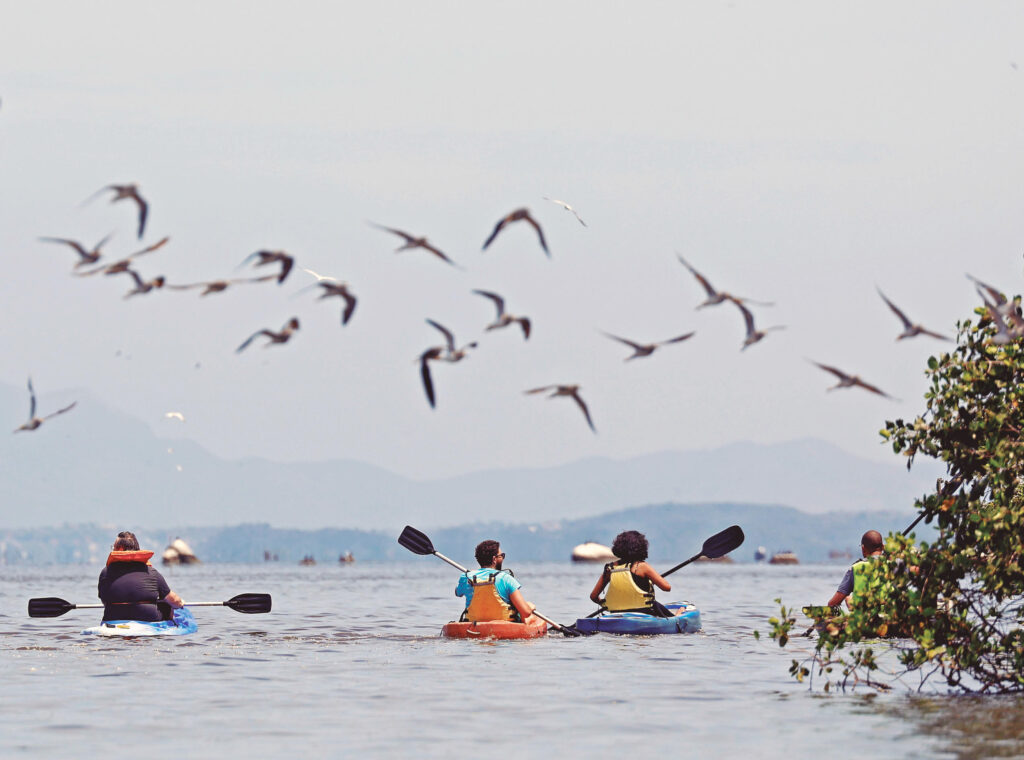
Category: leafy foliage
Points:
column 956, row 604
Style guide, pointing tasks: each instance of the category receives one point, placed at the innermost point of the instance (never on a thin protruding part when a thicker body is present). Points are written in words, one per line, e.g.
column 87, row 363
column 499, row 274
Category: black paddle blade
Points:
column 250, row 604
column 722, row 543
column 49, row 606
column 416, row 541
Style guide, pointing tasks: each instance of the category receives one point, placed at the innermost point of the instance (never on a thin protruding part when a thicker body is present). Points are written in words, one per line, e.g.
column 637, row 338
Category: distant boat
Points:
column 591, row 551
column 179, row 553
column 761, row 554
column 723, row 560
column 346, row 558
column 785, row 557
column 307, row 560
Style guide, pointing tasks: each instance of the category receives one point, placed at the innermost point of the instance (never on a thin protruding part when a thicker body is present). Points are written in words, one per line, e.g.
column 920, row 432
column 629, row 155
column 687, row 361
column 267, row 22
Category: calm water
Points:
column 350, row 663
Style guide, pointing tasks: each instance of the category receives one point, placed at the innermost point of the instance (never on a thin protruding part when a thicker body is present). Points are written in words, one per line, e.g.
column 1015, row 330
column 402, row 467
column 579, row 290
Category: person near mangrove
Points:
column 871, row 545
column 130, row 588
column 491, row 592
column 630, row 580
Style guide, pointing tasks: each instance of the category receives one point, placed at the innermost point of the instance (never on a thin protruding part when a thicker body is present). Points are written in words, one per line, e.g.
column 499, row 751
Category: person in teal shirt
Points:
column 490, row 557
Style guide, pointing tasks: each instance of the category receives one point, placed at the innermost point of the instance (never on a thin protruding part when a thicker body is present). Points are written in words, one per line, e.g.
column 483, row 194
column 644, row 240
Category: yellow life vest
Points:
column 487, row 603
column 623, row 592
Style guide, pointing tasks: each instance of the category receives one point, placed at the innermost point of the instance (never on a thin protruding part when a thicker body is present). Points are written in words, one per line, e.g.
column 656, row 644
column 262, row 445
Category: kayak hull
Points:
column 687, row 620
column 495, row 629
column 180, row 624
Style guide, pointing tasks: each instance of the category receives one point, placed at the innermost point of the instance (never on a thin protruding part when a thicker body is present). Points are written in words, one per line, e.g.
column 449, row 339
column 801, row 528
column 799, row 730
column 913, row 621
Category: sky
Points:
column 795, row 152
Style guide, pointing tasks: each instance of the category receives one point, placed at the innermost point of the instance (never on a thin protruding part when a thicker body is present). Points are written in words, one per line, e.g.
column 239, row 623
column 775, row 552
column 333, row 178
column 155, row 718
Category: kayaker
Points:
column 630, row 580
column 492, row 593
column 130, row 587
column 871, row 545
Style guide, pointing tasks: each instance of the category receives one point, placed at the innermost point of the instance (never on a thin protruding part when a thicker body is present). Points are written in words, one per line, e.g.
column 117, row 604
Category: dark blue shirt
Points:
column 130, row 589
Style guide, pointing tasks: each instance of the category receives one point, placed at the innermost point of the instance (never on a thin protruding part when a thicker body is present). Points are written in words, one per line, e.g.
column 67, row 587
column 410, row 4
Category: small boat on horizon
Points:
column 591, row 551
column 785, row 557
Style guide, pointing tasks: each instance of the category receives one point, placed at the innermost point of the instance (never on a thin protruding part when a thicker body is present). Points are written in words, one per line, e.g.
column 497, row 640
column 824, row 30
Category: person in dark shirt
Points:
column 130, row 587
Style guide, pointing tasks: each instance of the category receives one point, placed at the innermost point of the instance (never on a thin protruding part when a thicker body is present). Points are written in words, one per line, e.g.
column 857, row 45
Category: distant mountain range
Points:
column 676, row 532
column 98, row 465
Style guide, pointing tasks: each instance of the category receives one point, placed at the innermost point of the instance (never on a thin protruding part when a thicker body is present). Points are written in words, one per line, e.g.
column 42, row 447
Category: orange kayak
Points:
column 495, row 629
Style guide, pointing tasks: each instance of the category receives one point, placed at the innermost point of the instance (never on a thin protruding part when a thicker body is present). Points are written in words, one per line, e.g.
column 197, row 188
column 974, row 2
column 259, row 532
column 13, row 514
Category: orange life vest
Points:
column 130, row 556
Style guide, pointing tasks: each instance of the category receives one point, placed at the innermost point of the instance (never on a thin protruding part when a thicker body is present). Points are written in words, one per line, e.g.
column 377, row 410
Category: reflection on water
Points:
column 970, row 728
column 350, row 662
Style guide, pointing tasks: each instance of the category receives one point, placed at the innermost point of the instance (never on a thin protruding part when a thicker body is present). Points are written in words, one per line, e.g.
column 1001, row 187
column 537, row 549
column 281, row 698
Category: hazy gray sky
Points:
column 802, row 153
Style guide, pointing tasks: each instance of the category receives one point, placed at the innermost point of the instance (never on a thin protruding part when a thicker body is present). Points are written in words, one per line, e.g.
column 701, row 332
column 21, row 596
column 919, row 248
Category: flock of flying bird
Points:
column 1004, row 314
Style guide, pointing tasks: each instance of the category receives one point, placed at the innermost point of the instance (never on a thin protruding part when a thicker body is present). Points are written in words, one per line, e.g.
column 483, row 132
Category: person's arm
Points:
column 837, row 598
column 174, row 600
column 595, row 595
column 524, row 607
column 643, row 570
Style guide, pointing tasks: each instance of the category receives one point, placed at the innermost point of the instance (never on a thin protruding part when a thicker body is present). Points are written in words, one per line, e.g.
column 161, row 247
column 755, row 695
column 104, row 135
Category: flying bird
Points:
column 281, row 336
column 85, row 257
column 567, row 207
column 504, row 319
column 451, row 352
column 910, row 330
column 272, row 257
column 520, row 214
column 646, row 349
column 412, row 241
column 123, row 265
column 753, row 334
column 573, row 391
column 219, row 286
column 1004, row 335
column 121, row 192
column 715, row 297
column 339, row 289
column 33, row 421
column 849, row 381
column 999, row 301
column 174, row 416
column 143, row 286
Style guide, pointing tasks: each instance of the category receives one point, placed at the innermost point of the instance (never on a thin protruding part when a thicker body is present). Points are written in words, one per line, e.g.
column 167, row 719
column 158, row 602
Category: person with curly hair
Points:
column 630, row 580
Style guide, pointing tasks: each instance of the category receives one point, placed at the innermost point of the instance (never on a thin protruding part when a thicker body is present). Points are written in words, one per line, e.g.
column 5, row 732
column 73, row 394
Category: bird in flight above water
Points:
column 451, row 353
column 271, row 257
column 281, row 336
column 504, row 319
column 715, row 297
column 849, row 381
column 910, row 330
column 520, row 214
column 567, row 207
column 121, row 192
column 572, row 391
column 175, row 416
column 753, row 334
column 219, row 286
column 84, row 257
column 412, row 241
column 646, row 349
column 122, row 266
column 33, row 421
column 143, row 286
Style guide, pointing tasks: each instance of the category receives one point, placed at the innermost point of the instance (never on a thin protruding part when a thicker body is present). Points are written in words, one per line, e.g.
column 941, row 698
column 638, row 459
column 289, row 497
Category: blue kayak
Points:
column 686, row 620
column 181, row 623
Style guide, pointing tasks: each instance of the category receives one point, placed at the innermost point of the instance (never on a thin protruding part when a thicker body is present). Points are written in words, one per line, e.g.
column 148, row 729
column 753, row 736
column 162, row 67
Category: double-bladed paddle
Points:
column 717, row 546
column 51, row 606
column 419, row 543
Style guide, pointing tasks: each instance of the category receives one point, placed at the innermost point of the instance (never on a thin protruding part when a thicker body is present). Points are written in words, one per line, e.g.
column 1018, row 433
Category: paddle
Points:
column 717, row 546
column 51, row 606
column 419, row 543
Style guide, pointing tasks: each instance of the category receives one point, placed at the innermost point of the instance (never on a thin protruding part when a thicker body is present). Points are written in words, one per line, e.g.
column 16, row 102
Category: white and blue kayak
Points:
column 685, row 620
column 181, row 623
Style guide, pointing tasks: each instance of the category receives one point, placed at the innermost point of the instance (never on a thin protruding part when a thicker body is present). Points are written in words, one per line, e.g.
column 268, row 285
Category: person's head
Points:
column 630, row 546
column 489, row 554
column 126, row 542
column 871, row 542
